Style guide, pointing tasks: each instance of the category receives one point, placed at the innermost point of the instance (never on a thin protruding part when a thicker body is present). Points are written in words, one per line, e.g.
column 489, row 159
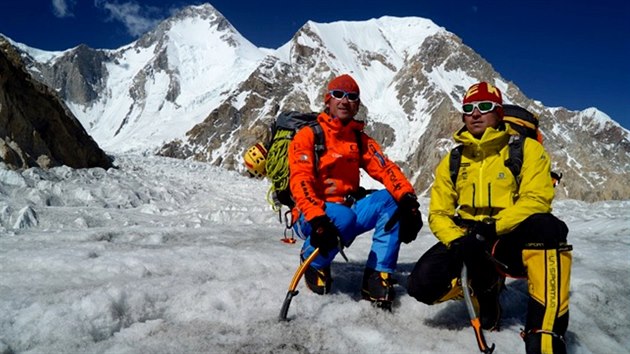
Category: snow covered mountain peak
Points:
column 353, row 45
column 155, row 89
column 195, row 88
column 400, row 34
column 194, row 24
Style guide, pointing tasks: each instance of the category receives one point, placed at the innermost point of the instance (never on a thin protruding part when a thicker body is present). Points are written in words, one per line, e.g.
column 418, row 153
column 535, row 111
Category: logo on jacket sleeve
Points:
column 381, row 159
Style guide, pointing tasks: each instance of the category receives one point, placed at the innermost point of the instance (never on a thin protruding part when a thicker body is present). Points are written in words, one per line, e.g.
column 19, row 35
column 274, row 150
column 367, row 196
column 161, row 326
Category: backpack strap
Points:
column 359, row 142
column 320, row 143
column 455, row 159
column 515, row 160
column 319, row 146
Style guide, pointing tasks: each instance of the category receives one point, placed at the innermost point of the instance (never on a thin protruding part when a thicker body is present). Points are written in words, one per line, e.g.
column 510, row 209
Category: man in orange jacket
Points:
column 334, row 211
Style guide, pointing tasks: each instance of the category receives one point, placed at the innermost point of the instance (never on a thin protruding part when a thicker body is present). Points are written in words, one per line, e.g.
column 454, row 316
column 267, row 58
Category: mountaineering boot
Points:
column 454, row 291
column 548, row 274
column 318, row 280
column 378, row 288
column 534, row 340
column 490, row 307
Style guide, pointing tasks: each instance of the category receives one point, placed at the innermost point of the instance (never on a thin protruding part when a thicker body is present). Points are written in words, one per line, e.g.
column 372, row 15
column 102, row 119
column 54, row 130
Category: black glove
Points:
column 409, row 216
column 484, row 231
column 555, row 178
column 324, row 234
column 478, row 240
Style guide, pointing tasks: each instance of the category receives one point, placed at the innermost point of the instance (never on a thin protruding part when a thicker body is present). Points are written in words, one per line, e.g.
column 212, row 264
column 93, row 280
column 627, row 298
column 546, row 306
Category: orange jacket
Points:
column 338, row 173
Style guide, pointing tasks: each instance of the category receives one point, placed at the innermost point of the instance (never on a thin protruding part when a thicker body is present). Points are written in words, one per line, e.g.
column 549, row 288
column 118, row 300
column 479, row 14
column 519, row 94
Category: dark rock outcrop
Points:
column 36, row 128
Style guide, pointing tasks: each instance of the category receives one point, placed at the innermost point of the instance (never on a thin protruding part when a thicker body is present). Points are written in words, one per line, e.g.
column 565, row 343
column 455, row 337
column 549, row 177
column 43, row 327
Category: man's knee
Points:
column 431, row 293
column 544, row 231
column 433, row 279
column 419, row 287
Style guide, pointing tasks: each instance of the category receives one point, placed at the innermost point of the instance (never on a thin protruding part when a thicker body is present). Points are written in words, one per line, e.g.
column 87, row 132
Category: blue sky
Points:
column 574, row 54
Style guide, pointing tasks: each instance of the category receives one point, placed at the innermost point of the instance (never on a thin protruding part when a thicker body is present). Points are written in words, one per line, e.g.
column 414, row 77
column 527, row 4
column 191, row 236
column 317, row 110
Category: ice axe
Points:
column 294, row 283
column 474, row 317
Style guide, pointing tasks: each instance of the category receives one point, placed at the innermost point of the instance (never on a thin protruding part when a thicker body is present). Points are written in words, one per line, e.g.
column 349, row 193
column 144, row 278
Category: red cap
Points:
column 344, row 82
column 484, row 91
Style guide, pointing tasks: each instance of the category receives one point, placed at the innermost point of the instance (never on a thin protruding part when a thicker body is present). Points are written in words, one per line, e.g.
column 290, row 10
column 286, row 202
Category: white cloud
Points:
column 63, row 8
column 136, row 18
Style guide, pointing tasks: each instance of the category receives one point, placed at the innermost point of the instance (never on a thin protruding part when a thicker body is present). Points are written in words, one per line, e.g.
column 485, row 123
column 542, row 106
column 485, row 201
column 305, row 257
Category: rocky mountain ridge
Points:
column 195, row 88
column 36, row 128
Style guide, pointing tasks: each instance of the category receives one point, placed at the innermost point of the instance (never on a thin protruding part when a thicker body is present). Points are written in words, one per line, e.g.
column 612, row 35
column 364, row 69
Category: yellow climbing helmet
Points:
column 255, row 160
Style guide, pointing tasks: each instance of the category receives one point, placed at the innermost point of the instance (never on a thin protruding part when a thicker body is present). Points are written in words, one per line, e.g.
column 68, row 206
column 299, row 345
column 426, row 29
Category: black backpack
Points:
column 283, row 130
column 526, row 124
column 521, row 120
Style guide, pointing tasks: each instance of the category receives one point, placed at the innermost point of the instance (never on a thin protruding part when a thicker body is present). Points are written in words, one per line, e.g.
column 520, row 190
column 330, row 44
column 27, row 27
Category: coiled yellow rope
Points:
column 277, row 165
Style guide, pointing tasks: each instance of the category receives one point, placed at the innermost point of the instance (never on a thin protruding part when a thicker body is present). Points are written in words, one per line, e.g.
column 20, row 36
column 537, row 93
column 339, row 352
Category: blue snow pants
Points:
column 371, row 212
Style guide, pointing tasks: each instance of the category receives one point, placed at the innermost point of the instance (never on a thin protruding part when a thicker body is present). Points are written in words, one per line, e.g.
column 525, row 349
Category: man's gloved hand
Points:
column 409, row 216
column 484, row 231
column 324, row 234
column 479, row 238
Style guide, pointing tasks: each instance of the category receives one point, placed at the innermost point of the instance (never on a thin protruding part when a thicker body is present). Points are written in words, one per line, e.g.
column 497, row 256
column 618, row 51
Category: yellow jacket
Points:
column 485, row 187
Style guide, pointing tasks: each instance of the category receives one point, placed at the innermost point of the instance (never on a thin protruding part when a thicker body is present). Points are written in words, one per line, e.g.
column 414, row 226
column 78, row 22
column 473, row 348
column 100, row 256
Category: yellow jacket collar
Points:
column 491, row 137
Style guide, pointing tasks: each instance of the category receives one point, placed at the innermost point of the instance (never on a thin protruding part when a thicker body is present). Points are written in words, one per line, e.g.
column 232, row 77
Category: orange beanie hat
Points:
column 343, row 82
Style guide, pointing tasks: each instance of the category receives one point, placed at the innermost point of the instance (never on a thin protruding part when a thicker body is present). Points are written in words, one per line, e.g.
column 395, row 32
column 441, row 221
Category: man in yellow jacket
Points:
column 497, row 224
